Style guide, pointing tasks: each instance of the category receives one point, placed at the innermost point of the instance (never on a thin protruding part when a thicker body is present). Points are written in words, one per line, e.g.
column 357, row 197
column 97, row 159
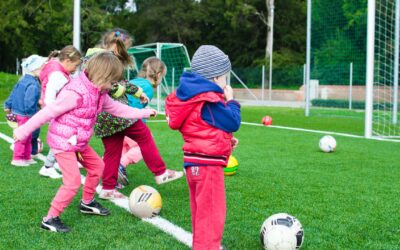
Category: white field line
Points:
column 319, row 132
column 159, row 222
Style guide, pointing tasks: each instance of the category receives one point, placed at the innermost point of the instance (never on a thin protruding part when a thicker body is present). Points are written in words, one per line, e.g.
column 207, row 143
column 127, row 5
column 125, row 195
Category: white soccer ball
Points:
column 281, row 232
column 145, row 202
column 327, row 144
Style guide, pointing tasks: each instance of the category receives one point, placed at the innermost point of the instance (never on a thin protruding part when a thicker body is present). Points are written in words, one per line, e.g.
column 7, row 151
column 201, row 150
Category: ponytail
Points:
column 151, row 67
column 68, row 52
column 54, row 53
column 122, row 53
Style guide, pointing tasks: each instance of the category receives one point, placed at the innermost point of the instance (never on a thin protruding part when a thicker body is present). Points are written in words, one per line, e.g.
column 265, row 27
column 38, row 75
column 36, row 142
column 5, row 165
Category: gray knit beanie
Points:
column 209, row 61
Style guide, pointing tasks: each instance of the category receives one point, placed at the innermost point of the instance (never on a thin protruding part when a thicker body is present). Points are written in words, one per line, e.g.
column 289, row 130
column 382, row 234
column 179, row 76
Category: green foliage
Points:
column 7, row 82
column 334, row 103
column 338, row 38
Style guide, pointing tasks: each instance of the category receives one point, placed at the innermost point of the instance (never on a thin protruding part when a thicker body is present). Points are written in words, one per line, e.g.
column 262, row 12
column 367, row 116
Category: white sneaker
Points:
column 31, row 161
column 111, row 195
column 56, row 166
column 36, row 156
column 19, row 163
column 50, row 172
column 169, row 175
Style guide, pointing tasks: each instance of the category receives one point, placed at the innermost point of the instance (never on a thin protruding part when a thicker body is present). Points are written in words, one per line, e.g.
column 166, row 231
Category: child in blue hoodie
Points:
column 23, row 104
column 203, row 110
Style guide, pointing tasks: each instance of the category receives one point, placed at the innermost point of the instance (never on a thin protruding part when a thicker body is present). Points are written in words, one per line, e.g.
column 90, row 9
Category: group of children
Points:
column 80, row 97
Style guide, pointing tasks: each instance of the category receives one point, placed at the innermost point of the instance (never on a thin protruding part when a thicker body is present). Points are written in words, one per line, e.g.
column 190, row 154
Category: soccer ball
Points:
column 232, row 166
column 145, row 202
column 266, row 120
column 327, row 144
column 281, row 232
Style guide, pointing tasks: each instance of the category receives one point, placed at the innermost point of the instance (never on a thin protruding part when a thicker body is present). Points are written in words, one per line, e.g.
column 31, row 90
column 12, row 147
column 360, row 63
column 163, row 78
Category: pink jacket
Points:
column 51, row 66
column 74, row 113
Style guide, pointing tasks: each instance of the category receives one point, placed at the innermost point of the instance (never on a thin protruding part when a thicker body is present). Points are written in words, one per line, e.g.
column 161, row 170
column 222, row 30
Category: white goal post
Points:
column 382, row 69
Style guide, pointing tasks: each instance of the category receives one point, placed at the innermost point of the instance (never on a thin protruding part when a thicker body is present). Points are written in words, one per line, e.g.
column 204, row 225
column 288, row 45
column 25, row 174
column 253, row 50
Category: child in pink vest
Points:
column 54, row 75
column 72, row 117
column 112, row 130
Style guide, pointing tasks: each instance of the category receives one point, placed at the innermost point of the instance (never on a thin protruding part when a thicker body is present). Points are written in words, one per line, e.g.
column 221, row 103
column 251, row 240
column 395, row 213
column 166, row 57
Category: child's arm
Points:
column 56, row 82
column 31, row 97
column 66, row 101
column 8, row 102
column 120, row 89
column 222, row 116
column 121, row 110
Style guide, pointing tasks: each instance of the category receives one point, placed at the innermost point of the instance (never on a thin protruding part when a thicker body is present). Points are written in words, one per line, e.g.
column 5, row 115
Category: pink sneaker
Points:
column 111, row 195
column 167, row 176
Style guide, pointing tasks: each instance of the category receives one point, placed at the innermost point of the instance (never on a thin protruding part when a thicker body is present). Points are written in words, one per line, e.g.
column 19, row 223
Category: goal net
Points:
column 175, row 57
column 382, row 69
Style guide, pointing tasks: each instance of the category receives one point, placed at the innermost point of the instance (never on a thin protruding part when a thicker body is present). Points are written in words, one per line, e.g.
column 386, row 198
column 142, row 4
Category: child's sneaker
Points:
column 111, row 195
column 119, row 186
column 19, row 163
column 36, row 156
column 122, row 177
column 49, row 172
column 93, row 208
column 55, row 225
column 169, row 175
column 31, row 161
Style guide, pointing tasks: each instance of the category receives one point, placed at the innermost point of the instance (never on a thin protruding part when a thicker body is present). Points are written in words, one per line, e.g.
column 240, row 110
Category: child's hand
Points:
column 228, row 92
column 7, row 111
column 154, row 114
column 234, row 142
column 15, row 138
column 143, row 98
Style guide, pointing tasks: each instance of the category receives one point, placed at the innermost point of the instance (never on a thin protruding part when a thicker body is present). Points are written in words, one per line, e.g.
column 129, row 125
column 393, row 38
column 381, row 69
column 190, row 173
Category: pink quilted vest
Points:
column 51, row 66
column 78, row 122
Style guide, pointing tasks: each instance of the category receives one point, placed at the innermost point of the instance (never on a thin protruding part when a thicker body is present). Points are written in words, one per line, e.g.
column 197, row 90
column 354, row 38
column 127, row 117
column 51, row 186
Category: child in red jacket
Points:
column 203, row 110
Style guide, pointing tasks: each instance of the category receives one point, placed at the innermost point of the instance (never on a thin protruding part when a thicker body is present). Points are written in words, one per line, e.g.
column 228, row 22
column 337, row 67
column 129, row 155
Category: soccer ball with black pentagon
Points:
column 281, row 232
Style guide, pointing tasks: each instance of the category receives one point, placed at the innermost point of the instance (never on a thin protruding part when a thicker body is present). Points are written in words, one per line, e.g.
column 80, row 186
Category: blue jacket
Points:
column 147, row 89
column 24, row 97
column 225, row 116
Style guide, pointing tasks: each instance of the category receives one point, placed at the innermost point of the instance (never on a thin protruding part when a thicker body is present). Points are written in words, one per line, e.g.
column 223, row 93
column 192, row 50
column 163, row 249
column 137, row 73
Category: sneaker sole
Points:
column 51, row 229
column 94, row 213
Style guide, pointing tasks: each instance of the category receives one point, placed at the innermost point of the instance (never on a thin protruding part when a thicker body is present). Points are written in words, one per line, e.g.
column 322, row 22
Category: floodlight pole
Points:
column 308, row 59
column 158, row 55
column 369, row 81
column 77, row 25
column 271, row 49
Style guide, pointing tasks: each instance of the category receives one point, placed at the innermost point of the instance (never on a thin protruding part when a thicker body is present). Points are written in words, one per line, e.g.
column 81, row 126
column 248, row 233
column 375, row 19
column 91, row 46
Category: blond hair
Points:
column 104, row 67
column 151, row 67
column 68, row 52
column 122, row 40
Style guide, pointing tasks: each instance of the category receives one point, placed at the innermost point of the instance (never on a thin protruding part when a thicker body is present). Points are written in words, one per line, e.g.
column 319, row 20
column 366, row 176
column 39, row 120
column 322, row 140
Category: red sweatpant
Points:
column 208, row 205
column 140, row 133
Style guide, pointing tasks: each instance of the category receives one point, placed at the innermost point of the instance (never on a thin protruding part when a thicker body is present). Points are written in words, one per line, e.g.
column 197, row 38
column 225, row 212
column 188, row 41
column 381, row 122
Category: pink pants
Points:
column 71, row 176
column 208, row 205
column 140, row 133
column 22, row 148
column 131, row 153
